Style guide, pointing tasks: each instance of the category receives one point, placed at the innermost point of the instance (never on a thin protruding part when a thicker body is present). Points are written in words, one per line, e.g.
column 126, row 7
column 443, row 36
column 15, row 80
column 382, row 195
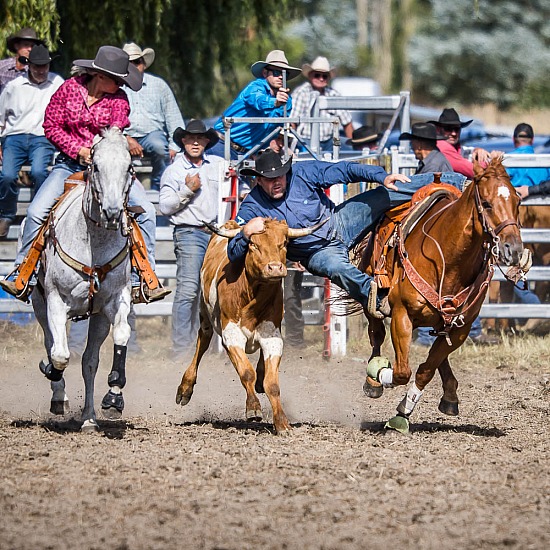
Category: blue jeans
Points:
column 53, row 187
column 424, row 338
column 190, row 247
column 356, row 217
column 155, row 145
column 16, row 150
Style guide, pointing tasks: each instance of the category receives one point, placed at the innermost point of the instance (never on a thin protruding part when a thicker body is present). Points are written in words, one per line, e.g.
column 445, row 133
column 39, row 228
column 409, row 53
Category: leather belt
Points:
column 202, row 228
column 233, row 145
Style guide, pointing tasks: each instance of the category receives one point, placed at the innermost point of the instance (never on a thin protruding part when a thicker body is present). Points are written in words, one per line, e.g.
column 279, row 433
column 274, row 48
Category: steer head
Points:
column 266, row 257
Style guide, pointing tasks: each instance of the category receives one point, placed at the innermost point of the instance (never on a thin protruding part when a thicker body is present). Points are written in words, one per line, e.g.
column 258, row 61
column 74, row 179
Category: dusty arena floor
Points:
column 200, row 477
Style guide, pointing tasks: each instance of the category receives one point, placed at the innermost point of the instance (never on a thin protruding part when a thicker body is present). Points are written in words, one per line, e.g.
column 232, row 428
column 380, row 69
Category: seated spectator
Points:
column 364, row 137
column 523, row 143
column 23, row 103
column 20, row 43
column 154, row 115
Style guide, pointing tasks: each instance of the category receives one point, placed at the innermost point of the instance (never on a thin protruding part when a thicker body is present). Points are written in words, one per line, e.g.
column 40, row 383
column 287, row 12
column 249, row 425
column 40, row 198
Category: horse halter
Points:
column 96, row 192
column 493, row 232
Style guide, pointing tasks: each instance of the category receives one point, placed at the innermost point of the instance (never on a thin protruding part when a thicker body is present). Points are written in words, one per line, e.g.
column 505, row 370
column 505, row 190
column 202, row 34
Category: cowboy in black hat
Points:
column 19, row 43
column 449, row 126
column 423, row 137
column 364, row 137
column 189, row 195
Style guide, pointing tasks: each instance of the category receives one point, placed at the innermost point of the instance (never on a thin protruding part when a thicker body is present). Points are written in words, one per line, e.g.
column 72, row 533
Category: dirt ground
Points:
column 201, row 477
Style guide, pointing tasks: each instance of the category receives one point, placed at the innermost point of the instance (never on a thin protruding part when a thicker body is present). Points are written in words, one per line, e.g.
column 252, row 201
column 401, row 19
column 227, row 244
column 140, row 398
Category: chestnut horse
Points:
column 439, row 275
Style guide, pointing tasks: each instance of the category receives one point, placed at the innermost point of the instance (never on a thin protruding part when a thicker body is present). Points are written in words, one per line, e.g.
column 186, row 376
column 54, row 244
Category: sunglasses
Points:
column 321, row 76
column 137, row 61
column 275, row 72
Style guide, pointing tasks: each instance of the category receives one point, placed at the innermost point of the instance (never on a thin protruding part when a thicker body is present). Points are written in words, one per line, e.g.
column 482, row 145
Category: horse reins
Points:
column 453, row 308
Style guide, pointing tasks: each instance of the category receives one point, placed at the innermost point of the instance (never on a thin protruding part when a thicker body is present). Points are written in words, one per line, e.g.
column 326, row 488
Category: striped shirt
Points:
column 304, row 98
column 154, row 108
column 8, row 71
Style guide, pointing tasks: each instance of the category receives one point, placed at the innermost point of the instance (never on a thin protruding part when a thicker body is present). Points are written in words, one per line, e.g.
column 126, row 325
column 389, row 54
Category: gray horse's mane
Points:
column 113, row 136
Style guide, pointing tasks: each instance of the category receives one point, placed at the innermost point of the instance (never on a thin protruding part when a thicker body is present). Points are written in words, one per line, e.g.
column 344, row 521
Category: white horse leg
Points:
column 112, row 404
column 97, row 332
column 57, row 323
column 60, row 402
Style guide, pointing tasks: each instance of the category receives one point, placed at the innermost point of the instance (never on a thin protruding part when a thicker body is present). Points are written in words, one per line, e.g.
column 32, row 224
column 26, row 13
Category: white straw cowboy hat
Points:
column 275, row 58
column 320, row 64
column 115, row 63
column 135, row 52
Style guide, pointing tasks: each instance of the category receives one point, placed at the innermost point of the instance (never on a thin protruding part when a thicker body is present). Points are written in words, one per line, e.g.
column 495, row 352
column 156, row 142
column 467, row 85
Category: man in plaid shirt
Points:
column 304, row 97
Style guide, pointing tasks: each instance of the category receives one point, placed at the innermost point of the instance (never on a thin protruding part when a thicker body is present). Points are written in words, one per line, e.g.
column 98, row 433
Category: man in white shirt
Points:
column 22, row 105
column 189, row 195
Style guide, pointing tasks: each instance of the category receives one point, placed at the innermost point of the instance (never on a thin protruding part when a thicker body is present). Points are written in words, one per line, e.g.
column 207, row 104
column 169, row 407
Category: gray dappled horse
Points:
column 85, row 271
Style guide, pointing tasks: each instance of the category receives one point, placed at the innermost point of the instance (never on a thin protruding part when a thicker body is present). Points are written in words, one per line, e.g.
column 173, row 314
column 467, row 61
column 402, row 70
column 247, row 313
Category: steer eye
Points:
column 252, row 245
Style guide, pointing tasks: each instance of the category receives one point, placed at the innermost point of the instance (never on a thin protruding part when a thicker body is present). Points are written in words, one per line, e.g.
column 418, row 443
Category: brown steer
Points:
column 243, row 303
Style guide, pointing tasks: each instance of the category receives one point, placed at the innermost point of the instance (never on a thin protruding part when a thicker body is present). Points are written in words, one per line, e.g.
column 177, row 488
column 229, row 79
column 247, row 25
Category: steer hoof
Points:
column 372, row 388
column 59, row 407
column 448, row 407
column 254, row 415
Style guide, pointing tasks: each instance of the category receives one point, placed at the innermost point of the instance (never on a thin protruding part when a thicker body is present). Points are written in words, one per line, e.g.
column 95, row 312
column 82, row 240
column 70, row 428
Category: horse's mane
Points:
column 113, row 137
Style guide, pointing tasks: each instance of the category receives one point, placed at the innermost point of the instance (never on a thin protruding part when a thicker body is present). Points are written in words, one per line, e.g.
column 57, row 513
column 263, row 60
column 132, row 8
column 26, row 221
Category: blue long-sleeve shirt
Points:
column 304, row 204
column 255, row 100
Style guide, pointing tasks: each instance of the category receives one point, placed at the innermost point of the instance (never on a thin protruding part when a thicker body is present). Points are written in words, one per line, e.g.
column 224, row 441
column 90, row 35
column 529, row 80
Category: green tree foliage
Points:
column 482, row 52
column 201, row 47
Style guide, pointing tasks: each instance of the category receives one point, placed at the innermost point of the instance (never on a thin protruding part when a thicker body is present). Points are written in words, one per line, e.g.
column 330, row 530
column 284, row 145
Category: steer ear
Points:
column 294, row 232
column 222, row 231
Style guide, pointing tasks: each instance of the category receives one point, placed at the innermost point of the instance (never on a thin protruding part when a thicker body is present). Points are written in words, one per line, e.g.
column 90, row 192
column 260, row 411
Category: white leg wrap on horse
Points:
column 385, row 377
column 412, row 398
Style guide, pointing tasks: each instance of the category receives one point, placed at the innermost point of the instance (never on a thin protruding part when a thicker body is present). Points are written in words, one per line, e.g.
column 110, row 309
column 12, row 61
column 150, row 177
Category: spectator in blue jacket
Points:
column 263, row 97
column 296, row 194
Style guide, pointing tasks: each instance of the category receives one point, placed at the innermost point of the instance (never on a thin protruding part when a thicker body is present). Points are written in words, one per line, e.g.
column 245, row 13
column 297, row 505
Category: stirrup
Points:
column 9, row 286
column 372, row 302
column 142, row 294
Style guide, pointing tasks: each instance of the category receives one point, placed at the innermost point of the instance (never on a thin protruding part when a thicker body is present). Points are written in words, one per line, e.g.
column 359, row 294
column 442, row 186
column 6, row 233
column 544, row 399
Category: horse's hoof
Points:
column 182, row 398
column 113, row 401
column 254, row 415
column 284, row 432
column 399, row 424
column 448, row 407
column 372, row 388
column 89, row 426
column 59, row 407
column 111, row 414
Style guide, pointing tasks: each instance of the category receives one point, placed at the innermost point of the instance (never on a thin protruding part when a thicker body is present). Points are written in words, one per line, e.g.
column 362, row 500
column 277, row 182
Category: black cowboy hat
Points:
column 196, row 126
column 115, row 63
column 39, row 55
column 422, row 130
column 268, row 164
column 24, row 34
column 449, row 117
column 364, row 134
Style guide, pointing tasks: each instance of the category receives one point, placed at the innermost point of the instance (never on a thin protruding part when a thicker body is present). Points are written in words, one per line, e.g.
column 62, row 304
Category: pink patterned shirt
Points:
column 70, row 124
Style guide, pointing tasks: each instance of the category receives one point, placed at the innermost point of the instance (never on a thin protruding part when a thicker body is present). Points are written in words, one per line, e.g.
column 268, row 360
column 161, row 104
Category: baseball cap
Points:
column 524, row 130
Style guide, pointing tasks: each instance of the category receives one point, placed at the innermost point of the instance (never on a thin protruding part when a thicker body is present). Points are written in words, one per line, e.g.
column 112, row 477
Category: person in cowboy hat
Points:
column 154, row 115
column 22, row 106
column 423, row 137
column 189, row 195
column 318, row 75
column 296, row 194
column 19, row 43
column 449, row 126
column 263, row 97
column 364, row 137
column 80, row 109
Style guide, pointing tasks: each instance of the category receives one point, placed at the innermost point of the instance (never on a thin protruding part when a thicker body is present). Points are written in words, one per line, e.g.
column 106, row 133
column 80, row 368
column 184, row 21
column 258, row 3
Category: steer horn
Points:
column 294, row 232
column 222, row 232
